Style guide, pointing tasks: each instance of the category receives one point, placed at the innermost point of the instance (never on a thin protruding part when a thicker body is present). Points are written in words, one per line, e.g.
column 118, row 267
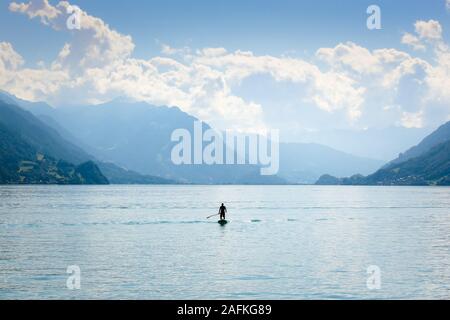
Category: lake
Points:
column 282, row 242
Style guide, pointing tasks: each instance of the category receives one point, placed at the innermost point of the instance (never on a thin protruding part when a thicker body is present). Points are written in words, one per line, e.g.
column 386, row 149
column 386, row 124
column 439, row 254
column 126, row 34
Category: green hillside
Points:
column 431, row 168
column 24, row 157
column 22, row 164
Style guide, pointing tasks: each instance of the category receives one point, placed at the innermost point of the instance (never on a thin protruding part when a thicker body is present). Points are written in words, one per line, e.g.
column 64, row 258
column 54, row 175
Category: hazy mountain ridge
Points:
column 381, row 143
column 431, row 168
column 131, row 143
column 48, row 137
column 38, row 135
column 428, row 163
column 440, row 135
column 306, row 162
column 117, row 175
column 22, row 163
column 136, row 136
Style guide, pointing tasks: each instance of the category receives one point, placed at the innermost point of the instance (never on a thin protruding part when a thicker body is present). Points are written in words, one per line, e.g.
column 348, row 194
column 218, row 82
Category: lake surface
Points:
column 282, row 242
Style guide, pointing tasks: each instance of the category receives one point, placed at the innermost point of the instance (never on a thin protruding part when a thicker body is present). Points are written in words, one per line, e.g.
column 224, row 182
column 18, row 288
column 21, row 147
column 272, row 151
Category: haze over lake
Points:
column 282, row 242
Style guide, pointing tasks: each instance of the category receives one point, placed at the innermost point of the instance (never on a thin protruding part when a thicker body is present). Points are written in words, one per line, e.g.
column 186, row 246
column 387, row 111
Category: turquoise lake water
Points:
column 282, row 242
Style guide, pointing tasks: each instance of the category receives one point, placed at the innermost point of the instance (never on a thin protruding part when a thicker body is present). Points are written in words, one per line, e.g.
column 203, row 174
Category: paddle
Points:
column 212, row 215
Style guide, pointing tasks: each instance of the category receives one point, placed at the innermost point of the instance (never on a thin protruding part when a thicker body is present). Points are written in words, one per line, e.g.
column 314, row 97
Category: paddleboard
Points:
column 222, row 222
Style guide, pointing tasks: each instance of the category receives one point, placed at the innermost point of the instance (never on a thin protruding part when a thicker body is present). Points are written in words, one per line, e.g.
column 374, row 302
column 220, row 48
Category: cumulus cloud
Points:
column 383, row 68
column 9, row 58
column 330, row 91
column 390, row 77
column 352, row 56
column 427, row 33
column 10, row 61
column 412, row 41
column 412, row 120
column 33, row 9
column 168, row 50
column 429, row 30
column 94, row 45
column 96, row 65
column 438, row 78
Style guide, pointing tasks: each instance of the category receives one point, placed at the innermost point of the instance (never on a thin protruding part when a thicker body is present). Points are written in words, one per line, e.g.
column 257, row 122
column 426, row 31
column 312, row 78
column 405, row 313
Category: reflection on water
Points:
column 282, row 242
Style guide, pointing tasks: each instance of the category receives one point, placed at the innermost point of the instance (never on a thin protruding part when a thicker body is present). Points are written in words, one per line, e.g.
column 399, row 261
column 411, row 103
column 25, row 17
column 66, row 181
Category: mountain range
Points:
column 33, row 152
column 427, row 163
column 129, row 142
column 30, row 153
column 136, row 136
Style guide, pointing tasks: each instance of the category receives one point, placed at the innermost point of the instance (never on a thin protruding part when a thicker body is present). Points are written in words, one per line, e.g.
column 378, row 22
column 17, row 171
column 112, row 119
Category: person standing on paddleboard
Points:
column 222, row 211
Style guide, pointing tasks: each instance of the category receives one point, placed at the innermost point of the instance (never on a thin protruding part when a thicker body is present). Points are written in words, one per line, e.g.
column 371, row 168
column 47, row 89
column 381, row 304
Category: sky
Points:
column 300, row 66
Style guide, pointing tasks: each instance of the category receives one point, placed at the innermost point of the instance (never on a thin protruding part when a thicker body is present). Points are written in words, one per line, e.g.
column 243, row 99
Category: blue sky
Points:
column 264, row 27
column 309, row 68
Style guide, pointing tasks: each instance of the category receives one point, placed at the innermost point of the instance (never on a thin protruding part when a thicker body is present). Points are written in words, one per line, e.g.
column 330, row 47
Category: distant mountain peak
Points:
column 440, row 135
column 428, row 163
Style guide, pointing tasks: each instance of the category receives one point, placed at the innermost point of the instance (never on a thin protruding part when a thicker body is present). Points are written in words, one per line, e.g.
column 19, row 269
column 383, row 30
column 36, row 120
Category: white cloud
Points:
column 389, row 77
column 24, row 82
column 33, row 9
column 95, row 45
column 330, row 91
column 96, row 65
column 438, row 79
column 213, row 52
column 168, row 50
column 380, row 69
column 412, row 120
column 413, row 41
column 350, row 55
column 354, row 58
column 9, row 58
column 429, row 30
column 447, row 4
column 428, row 33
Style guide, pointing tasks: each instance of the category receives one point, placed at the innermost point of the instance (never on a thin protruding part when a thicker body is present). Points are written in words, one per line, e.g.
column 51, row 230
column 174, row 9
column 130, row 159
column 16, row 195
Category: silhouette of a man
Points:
column 222, row 211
